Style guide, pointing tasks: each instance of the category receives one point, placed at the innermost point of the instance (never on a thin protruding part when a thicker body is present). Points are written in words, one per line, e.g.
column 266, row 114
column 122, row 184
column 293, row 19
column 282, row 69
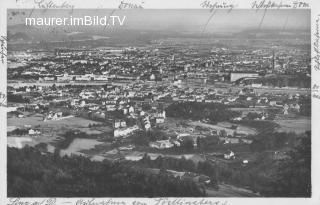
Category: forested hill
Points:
column 31, row 174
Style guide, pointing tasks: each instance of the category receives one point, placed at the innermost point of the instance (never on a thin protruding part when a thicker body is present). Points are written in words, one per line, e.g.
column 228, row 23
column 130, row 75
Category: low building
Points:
column 33, row 132
column 229, row 140
column 124, row 132
column 229, row 155
column 234, row 76
column 159, row 120
column 161, row 144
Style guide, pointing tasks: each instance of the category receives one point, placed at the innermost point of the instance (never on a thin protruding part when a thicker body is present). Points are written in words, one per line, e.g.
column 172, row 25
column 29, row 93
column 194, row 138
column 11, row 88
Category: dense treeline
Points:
column 31, row 174
column 142, row 138
column 18, row 132
column 17, row 99
column 293, row 176
column 286, row 177
column 183, row 165
column 274, row 141
column 305, row 103
column 261, row 126
column 214, row 112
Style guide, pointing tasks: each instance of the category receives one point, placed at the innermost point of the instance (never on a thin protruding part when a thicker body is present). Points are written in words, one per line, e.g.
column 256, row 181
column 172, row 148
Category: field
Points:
column 225, row 126
column 226, row 190
column 261, row 126
column 299, row 125
column 37, row 119
column 52, row 130
column 136, row 155
column 78, row 145
column 19, row 142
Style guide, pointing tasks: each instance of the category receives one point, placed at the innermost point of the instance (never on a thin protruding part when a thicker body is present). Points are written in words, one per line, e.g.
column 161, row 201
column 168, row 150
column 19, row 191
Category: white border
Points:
column 169, row 4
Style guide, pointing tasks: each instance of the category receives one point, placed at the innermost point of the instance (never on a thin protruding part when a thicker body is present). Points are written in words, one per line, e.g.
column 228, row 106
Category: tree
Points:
column 252, row 115
column 54, row 87
column 31, row 174
column 223, row 133
column 293, row 178
column 140, row 138
column 199, row 143
column 146, row 107
column 215, row 112
column 188, row 145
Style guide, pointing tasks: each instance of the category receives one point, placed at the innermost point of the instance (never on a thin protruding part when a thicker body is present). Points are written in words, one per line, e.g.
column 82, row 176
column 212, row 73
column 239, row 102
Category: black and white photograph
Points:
column 205, row 102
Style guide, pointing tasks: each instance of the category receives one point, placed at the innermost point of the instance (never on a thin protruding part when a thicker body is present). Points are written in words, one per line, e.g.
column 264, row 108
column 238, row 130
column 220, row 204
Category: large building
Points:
column 236, row 76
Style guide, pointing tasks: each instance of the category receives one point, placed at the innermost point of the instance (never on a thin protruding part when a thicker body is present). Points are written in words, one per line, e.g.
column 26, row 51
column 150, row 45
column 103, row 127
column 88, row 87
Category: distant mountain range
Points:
column 33, row 37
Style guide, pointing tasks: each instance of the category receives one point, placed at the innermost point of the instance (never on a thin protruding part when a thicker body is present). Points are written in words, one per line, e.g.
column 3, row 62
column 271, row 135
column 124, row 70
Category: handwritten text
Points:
column 217, row 5
column 316, row 46
column 3, row 52
column 278, row 5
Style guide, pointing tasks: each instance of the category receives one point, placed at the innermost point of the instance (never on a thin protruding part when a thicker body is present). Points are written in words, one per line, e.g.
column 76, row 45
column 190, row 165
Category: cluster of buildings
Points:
column 130, row 88
column 157, row 63
column 141, row 101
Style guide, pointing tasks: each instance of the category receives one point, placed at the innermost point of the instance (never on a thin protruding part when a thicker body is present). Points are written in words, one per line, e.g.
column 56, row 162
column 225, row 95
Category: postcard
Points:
column 136, row 102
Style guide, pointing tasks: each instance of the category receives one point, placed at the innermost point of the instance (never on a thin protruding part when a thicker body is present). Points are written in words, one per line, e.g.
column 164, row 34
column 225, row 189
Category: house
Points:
column 33, row 132
column 256, row 85
column 159, row 120
column 237, row 119
column 246, row 141
column 230, row 140
column 47, row 79
column 93, row 107
column 188, row 137
column 123, row 132
column 129, row 147
column 146, row 123
column 142, row 113
column 123, row 123
column 110, row 107
column 229, row 155
column 73, row 102
column 64, row 77
column 99, row 115
column 147, row 126
column 119, row 124
column 82, row 103
column 116, row 124
column 214, row 132
column 273, row 103
column 285, row 109
column 161, row 114
column 152, row 77
column 12, row 109
column 131, row 109
column 161, row 144
column 297, row 107
column 53, row 116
